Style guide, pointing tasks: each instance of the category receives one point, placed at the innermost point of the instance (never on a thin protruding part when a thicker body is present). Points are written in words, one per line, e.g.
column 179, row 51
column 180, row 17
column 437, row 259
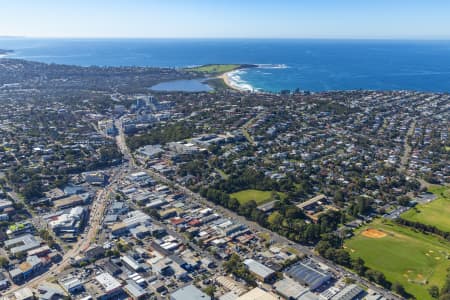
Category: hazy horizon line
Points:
column 228, row 38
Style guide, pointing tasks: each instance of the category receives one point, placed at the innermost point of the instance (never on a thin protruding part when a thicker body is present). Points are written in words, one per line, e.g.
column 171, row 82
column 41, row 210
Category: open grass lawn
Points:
column 415, row 260
column 436, row 213
column 215, row 69
column 222, row 173
column 260, row 197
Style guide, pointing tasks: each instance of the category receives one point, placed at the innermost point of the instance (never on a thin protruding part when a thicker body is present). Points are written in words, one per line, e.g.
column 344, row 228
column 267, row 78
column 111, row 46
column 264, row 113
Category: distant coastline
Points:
column 311, row 65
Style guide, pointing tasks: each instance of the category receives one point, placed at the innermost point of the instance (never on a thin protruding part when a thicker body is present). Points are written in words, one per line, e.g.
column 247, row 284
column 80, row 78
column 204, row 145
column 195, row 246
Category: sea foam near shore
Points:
column 272, row 66
column 234, row 80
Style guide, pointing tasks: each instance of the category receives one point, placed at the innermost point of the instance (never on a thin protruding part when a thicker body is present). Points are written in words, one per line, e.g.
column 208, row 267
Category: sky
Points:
column 404, row 19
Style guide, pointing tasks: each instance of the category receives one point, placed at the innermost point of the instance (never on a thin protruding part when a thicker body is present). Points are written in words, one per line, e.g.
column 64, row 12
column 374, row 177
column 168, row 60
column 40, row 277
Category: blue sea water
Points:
column 314, row 65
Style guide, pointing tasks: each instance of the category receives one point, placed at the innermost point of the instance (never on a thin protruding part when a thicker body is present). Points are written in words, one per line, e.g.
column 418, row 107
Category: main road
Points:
column 95, row 217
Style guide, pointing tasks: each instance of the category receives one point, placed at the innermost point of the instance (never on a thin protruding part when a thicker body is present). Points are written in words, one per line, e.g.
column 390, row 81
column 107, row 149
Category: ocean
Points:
column 309, row 65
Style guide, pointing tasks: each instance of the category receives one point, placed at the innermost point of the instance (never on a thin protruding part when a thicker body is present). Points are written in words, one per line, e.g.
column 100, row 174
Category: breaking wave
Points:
column 273, row 66
column 236, row 81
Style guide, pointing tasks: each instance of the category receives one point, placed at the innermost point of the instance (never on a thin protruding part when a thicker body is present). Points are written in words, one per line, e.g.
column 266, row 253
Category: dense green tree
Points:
column 404, row 201
column 32, row 190
column 235, row 266
column 398, row 288
column 378, row 277
column 275, row 219
column 246, row 208
column 434, row 291
column 233, row 204
column 3, row 262
column 210, row 290
column 358, row 265
column 162, row 134
column 339, row 196
column 342, row 257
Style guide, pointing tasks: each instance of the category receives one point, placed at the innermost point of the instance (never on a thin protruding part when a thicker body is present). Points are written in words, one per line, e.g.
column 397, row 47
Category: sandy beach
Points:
column 227, row 78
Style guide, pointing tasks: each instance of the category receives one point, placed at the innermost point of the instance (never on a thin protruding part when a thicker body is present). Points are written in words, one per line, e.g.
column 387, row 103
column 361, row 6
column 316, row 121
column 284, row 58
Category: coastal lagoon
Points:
column 313, row 65
column 191, row 85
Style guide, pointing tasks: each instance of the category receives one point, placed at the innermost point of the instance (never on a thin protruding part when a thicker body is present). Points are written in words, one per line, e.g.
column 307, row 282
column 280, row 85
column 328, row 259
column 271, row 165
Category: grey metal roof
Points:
column 189, row 292
column 110, row 218
column 24, row 243
column 134, row 289
column 15, row 272
column 258, row 268
column 348, row 293
column 308, row 275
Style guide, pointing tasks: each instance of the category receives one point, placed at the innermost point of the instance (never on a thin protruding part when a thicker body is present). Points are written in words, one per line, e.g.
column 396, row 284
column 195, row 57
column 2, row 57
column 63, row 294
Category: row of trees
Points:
column 424, row 228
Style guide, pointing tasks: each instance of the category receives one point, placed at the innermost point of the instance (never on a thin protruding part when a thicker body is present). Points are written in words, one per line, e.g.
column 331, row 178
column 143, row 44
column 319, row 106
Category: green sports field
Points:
column 415, row 260
column 260, row 197
column 215, row 69
column 436, row 213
